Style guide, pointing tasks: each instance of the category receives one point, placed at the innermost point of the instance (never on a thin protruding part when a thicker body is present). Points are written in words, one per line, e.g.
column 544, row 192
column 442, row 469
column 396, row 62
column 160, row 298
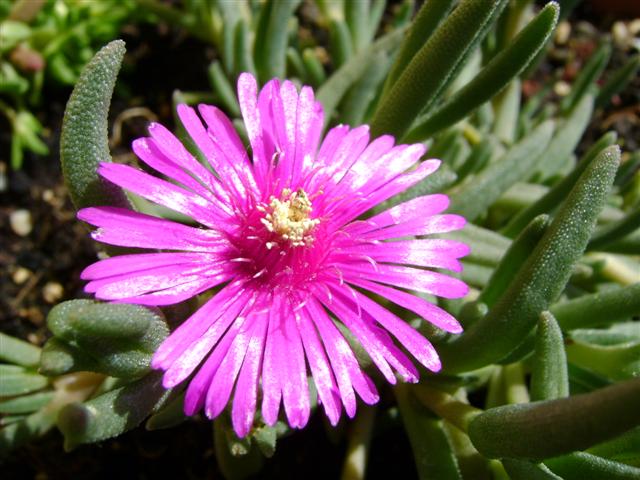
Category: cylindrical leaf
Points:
column 474, row 196
column 111, row 413
column 599, row 308
column 515, row 256
column 433, row 66
column 546, row 429
column 84, row 137
column 553, row 197
column 542, row 278
column 549, row 376
column 580, row 466
column 432, row 451
column 505, row 66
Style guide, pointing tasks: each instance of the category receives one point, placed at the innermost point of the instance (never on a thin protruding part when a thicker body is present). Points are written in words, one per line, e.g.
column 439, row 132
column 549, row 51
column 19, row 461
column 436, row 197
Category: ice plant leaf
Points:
column 618, row 81
column 432, row 452
column 542, row 278
column 581, row 465
column 515, row 256
column 618, row 362
column 549, row 377
column 19, row 381
column 430, row 15
column 598, row 308
column 589, row 74
column 566, row 138
column 502, row 68
column 26, row 403
column 625, row 448
column 433, row 66
column 335, row 87
column 111, row 413
column 524, row 470
column 553, row 197
column 546, row 429
column 474, row 196
column 18, row 352
column 271, row 40
column 84, row 138
column 616, row 230
column 115, row 339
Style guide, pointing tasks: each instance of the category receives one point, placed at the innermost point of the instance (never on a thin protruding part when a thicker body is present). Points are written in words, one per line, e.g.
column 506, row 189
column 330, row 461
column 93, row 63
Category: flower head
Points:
column 284, row 251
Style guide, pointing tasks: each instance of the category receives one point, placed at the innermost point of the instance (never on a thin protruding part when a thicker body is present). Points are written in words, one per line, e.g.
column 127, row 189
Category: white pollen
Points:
column 289, row 218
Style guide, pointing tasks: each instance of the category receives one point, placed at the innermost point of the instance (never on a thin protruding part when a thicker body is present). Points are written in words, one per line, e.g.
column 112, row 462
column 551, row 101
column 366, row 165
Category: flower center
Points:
column 288, row 217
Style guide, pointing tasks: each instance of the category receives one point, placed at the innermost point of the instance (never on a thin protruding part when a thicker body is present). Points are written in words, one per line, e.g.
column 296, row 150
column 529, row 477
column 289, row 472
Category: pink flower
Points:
column 284, row 253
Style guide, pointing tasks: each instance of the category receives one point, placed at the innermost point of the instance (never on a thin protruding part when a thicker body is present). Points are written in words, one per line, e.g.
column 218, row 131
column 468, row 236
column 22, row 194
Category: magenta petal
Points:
column 407, row 277
column 244, row 400
column 433, row 314
column 349, row 375
column 321, row 371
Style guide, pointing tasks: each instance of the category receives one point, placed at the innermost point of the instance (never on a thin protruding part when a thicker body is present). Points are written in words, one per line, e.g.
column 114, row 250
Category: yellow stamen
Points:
column 289, row 217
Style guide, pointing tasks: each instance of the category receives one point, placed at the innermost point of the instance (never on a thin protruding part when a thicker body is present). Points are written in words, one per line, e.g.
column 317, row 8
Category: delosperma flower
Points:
column 285, row 252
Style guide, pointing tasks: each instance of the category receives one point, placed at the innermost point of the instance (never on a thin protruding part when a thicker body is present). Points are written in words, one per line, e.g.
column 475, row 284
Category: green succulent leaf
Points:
column 505, row 66
column 515, row 256
column 550, row 428
column 552, row 198
column 169, row 415
column 625, row 448
column 431, row 447
column 434, row 66
column 25, row 403
column 114, row 339
column 581, row 465
column 271, row 38
column 335, row 87
column 430, row 15
column 474, row 196
column 111, row 413
column 549, row 375
column 542, row 278
column 524, row 470
column 84, row 138
column 18, row 381
column 598, row 308
column 618, row 81
column 18, row 352
column 589, row 74
column 566, row 138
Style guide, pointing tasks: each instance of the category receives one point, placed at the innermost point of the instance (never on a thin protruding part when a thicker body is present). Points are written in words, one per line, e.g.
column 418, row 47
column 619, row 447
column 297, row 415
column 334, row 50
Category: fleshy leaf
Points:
column 549, row 377
column 550, row 428
column 84, row 138
column 111, row 413
column 115, row 339
column 542, row 278
column 433, row 66
column 18, row 352
column 494, row 76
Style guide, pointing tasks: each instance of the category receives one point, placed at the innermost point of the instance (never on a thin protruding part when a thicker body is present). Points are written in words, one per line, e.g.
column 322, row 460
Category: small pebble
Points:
column 562, row 89
column 563, row 32
column 20, row 221
column 21, row 275
column 52, row 292
column 622, row 37
column 48, row 195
